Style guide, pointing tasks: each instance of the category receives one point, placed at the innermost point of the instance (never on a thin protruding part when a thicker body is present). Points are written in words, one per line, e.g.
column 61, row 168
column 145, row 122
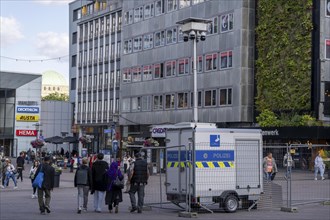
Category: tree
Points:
column 56, row 97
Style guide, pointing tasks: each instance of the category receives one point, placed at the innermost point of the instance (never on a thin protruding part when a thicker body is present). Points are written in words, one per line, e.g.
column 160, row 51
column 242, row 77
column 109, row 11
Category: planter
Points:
column 57, row 179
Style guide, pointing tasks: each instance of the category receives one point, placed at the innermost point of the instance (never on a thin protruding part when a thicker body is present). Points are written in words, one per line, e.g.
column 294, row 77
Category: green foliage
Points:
column 56, row 97
column 283, row 65
column 267, row 118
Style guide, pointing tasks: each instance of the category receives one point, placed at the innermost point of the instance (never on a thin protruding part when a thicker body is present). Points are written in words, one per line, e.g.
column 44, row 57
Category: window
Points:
column 101, row 53
column 113, row 23
column 170, row 68
column 169, row 101
column 137, row 45
column 212, row 28
column 146, row 103
column 183, row 66
column 171, row 36
column 226, row 59
column 194, row 2
column 128, row 18
column 126, row 75
column 119, row 21
column 100, row 81
column 102, row 26
column 91, row 29
column 210, row 98
column 183, row 100
column 128, row 46
column 159, row 38
column 117, row 77
column 147, row 73
column 118, row 49
column 136, row 104
column 74, row 38
column 107, row 26
column 138, row 14
column 225, row 96
column 159, row 7
column 184, row 3
column 327, row 48
column 106, row 55
column 126, row 105
column 172, row 5
column 199, row 99
column 159, row 68
column 180, row 35
column 227, row 22
column 97, row 27
column 158, row 102
column 73, row 84
column 136, row 74
column 74, row 61
column 76, row 14
column 148, row 41
column 112, row 51
column 199, row 64
column 211, row 62
column 148, row 11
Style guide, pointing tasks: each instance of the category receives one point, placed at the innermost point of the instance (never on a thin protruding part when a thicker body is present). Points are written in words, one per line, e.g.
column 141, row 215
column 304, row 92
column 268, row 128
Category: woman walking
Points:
column 114, row 193
column 10, row 173
column 33, row 171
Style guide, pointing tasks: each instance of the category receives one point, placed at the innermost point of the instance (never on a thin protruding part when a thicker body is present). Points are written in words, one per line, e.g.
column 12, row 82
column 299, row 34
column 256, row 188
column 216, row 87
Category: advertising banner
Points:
column 33, row 118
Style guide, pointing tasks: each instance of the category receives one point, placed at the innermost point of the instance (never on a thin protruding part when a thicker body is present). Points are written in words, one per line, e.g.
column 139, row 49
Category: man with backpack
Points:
column 83, row 182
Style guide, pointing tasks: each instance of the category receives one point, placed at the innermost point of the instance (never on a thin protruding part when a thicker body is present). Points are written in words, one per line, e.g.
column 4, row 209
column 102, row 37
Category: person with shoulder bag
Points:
column 10, row 174
column 20, row 165
column 114, row 193
column 83, row 182
column 33, row 171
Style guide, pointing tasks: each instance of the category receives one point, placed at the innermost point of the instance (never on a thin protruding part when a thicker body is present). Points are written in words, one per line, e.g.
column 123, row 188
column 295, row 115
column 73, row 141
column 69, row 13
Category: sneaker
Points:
column 133, row 209
column 42, row 213
column 323, row 178
column 47, row 209
column 15, row 187
column 315, row 179
column 116, row 209
column 84, row 209
column 139, row 210
column 2, row 187
column 32, row 197
column 79, row 211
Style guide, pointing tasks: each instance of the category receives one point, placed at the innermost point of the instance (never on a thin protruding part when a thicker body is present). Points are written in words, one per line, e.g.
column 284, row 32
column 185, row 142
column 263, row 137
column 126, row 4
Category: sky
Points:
column 34, row 30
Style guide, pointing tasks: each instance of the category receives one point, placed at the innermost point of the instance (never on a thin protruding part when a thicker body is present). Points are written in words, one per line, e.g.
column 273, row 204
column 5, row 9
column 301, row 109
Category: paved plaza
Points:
column 18, row 204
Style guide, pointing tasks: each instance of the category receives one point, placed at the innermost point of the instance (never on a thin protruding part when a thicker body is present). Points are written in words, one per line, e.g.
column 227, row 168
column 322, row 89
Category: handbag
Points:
column 117, row 183
column 39, row 179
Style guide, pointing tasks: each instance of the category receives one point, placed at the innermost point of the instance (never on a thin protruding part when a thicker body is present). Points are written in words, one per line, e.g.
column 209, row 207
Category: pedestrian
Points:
column 47, row 185
column 10, row 174
column 319, row 166
column 288, row 164
column 114, row 193
column 33, row 171
column 3, row 170
column 62, row 151
column 28, row 155
column 33, row 155
column 270, row 167
column 129, row 174
column 83, row 182
column 139, row 179
column 20, row 165
column 99, row 184
column 125, row 160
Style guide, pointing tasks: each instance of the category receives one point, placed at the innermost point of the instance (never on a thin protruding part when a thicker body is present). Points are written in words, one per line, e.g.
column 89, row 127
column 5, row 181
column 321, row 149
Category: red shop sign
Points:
column 26, row 133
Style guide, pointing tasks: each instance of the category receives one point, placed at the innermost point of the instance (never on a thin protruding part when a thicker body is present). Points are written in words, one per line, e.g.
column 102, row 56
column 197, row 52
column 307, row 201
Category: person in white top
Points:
column 32, row 173
column 10, row 173
column 319, row 166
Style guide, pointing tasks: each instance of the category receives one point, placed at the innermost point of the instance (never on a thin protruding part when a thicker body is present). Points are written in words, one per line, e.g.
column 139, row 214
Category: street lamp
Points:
column 194, row 29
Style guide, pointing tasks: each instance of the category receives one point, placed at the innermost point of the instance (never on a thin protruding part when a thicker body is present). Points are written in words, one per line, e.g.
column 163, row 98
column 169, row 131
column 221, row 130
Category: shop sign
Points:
column 158, row 132
column 23, row 109
column 26, row 133
column 33, row 118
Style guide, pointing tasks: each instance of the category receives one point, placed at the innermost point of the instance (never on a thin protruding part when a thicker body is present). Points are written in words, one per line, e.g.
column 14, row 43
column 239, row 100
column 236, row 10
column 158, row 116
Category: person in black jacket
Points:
column 47, row 185
column 20, row 165
column 83, row 182
column 99, row 185
column 139, row 178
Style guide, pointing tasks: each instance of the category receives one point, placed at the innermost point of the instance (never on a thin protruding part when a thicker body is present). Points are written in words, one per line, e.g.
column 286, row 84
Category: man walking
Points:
column 139, row 178
column 47, row 185
column 20, row 165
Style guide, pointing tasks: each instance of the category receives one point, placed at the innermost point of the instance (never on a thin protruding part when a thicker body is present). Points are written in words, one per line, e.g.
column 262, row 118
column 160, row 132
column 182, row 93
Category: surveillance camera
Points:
column 192, row 35
column 203, row 36
column 185, row 37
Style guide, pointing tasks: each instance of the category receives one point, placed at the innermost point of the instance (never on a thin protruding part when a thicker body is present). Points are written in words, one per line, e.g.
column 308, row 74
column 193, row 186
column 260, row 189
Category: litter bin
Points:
column 57, row 179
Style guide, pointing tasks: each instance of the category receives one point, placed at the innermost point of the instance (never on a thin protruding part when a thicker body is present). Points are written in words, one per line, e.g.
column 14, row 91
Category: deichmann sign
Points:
column 23, row 109
column 33, row 118
column 26, row 133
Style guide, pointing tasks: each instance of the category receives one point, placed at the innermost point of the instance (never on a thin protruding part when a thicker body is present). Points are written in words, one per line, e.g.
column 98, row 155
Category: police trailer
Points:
column 207, row 165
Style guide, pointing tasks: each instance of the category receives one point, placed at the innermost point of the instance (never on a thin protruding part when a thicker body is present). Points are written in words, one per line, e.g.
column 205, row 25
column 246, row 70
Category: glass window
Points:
column 136, row 104
column 138, row 14
column 227, row 22
column 136, row 74
column 128, row 17
column 148, row 11
column 147, row 72
column 180, row 35
column 211, row 62
column 148, row 41
column 159, row 68
column 127, row 46
column 210, row 98
column 159, row 7
column 171, row 36
column 158, row 102
column 159, row 38
column 327, row 46
column 170, row 68
column 126, row 75
column 107, row 26
column 169, row 101
column 74, row 38
column 118, row 49
column 226, row 96
column 184, row 3
column 74, row 61
column 119, row 21
column 183, row 66
column 182, row 100
column 226, row 59
column 126, row 104
column 172, row 5
column 146, row 103
column 137, row 45
column 212, row 28
column 199, row 99
column 194, row 2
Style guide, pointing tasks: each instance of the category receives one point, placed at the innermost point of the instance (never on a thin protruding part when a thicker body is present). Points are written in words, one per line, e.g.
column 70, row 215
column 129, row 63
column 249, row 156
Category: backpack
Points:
column 82, row 177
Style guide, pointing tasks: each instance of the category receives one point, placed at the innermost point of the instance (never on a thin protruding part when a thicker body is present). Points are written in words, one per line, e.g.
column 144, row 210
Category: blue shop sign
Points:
column 27, row 109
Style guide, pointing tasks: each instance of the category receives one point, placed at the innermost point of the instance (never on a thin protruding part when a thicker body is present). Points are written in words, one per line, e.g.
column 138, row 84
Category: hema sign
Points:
column 23, row 109
column 26, row 133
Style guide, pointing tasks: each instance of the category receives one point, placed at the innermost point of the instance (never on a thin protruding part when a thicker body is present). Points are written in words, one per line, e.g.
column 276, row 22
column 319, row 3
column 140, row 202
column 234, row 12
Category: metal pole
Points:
column 287, row 180
column 290, row 181
column 195, row 81
column 160, row 180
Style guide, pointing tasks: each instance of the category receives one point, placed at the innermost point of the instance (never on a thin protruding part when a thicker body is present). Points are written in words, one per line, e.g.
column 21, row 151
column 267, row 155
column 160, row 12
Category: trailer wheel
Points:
column 230, row 204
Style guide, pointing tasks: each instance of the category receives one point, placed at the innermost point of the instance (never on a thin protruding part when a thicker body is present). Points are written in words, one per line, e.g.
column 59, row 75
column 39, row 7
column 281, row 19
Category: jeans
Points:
column 288, row 171
column 267, row 176
column 8, row 176
column 317, row 169
column 42, row 203
column 82, row 197
column 98, row 199
column 139, row 188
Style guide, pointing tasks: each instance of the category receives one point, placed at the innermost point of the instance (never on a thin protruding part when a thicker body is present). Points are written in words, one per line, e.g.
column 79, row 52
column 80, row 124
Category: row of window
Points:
column 156, row 8
column 181, row 100
column 172, row 35
column 99, row 81
column 107, row 107
column 178, row 67
column 88, row 10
